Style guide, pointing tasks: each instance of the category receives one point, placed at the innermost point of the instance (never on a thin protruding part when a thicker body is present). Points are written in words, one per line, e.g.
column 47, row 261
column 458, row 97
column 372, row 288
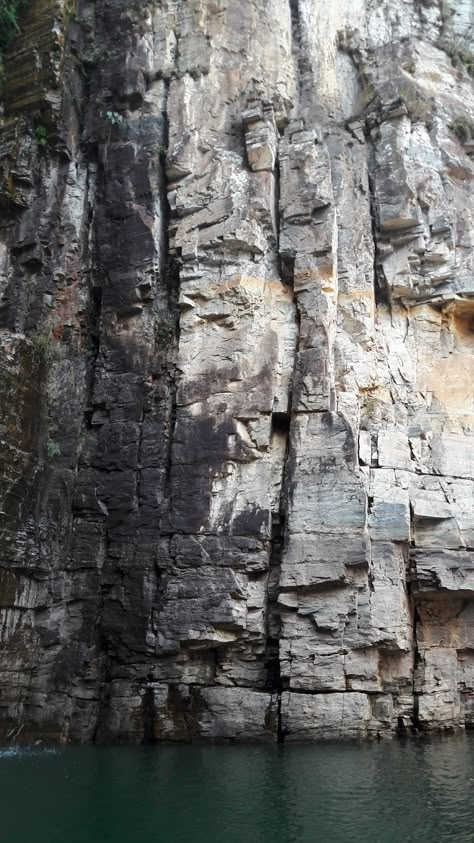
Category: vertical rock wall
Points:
column 237, row 339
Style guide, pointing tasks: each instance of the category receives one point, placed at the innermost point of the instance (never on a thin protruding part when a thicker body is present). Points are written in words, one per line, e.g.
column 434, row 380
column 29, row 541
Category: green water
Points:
column 387, row 793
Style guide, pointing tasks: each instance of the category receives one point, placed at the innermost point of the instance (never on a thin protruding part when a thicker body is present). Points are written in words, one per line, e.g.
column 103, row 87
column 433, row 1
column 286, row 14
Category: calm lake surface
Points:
column 419, row 791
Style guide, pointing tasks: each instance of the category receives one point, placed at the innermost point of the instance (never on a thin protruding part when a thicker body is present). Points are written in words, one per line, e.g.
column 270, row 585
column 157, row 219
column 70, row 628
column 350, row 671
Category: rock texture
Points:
column 236, row 392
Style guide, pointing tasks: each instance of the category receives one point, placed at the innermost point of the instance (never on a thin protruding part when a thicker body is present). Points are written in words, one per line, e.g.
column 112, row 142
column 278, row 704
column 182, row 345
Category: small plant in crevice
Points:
column 461, row 57
column 69, row 12
column 162, row 150
column 114, row 117
column 53, row 450
column 165, row 329
column 41, row 136
column 42, row 348
column 463, row 129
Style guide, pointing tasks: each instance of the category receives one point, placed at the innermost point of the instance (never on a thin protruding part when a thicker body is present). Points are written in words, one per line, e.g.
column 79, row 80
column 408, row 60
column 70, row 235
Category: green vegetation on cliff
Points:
column 9, row 28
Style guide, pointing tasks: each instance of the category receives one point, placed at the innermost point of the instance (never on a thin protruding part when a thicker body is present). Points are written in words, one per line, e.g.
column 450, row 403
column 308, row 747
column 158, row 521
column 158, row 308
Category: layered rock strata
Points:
column 237, row 338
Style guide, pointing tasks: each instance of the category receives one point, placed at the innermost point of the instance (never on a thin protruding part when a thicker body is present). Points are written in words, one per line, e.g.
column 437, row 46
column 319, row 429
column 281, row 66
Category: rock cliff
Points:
column 236, row 391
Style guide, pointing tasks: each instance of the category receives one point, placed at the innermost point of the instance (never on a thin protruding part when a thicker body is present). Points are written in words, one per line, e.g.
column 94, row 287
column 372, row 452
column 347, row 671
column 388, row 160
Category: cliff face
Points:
column 237, row 343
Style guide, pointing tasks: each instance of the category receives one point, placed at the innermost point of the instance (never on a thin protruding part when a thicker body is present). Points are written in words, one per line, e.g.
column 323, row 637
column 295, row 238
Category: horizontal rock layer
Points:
column 237, row 338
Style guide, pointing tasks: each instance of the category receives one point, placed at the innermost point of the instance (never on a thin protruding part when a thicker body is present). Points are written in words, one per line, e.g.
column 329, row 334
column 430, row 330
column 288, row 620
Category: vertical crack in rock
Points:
column 298, row 45
column 380, row 289
column 149, row 735
column 417, row 658
column 280, row 430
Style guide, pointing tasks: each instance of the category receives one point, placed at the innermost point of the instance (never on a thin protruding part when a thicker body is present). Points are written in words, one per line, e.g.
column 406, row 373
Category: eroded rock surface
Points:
column 236, row 392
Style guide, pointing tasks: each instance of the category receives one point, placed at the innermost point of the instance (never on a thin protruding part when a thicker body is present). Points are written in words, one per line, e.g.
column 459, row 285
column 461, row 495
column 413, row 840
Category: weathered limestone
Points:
column 237, row 345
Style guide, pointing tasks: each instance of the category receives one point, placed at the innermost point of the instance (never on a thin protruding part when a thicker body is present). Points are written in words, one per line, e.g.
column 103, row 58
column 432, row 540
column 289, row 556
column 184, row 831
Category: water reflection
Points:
column 410, row 792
